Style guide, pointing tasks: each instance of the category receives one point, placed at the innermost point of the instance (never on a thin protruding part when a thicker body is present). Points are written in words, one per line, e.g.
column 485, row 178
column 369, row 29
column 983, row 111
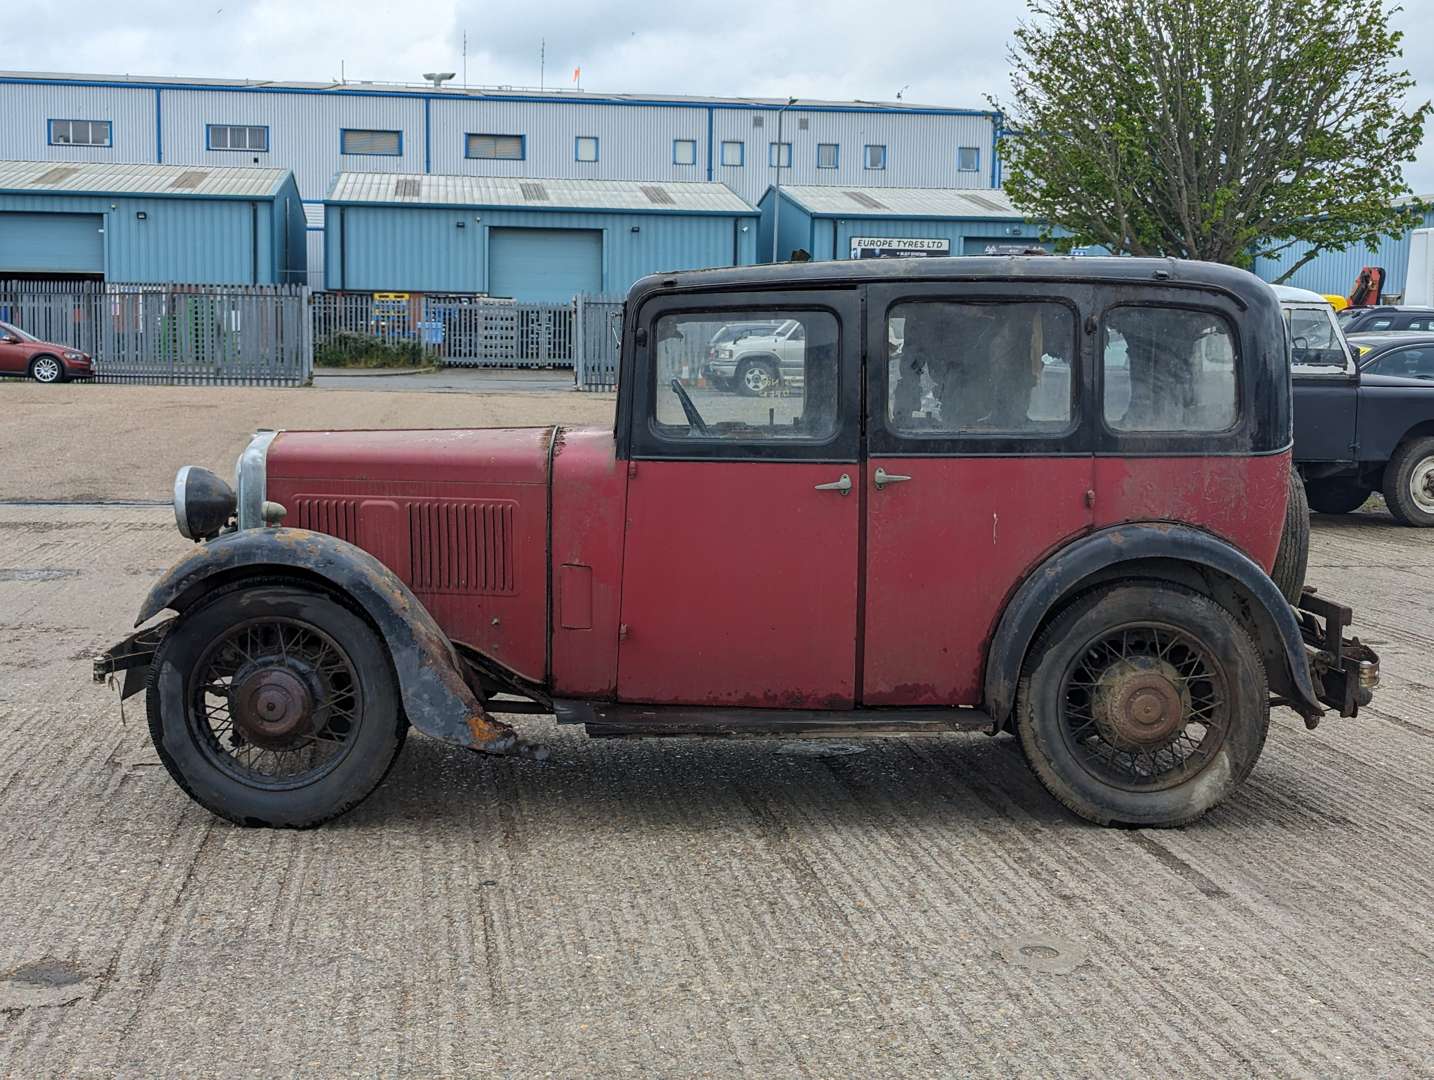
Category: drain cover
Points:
column 819, row 748
column 44, row 982
column 1051, row 955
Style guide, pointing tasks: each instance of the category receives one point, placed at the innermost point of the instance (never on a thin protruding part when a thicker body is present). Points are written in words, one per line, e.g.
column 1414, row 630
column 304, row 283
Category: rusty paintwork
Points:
column 435, row 694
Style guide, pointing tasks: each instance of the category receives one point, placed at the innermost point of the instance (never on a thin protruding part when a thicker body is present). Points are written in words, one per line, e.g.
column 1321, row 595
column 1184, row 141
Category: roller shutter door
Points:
column 51, row 243
column 544, row 264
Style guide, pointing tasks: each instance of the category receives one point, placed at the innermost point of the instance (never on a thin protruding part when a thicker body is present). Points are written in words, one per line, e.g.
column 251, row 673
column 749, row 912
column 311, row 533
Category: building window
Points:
column 586, row 148
column 876, row 157
column 968, row 159
column 827, row 155
column 779, row 155
column 734, row 153
column 684, row 151
column 80, row 133
column 501, row 147
column 361, row 141
column 236, row 137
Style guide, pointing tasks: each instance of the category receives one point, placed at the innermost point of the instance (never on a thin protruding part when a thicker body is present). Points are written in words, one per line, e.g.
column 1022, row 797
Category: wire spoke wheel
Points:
column 275, row 702
column 1145, row 706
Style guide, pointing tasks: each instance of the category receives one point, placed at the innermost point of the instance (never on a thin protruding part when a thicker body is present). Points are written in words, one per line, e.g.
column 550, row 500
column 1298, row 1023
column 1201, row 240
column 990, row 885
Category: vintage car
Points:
column 923, row 540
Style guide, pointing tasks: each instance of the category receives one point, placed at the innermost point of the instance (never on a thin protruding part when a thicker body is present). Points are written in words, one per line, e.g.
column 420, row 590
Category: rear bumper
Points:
column 1345, row 672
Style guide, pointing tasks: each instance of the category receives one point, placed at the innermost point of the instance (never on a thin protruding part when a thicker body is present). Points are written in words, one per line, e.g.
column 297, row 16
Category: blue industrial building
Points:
column 538, row 239
column 866, row 222
column 142, row 224
column 1334, row 272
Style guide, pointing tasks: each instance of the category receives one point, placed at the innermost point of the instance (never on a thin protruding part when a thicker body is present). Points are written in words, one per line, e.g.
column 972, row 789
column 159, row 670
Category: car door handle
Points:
column 841, row 486
column 883, row 478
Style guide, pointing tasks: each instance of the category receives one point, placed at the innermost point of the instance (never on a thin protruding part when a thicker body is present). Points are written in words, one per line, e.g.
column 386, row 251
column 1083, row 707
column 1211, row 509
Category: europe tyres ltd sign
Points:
column 898, row 247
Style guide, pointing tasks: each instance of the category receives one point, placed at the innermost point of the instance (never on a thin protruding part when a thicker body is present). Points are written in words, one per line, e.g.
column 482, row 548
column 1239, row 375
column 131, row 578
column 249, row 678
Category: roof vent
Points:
column 985, row 203
column 191, row 178
column 861, row 198
column 534, row 192
column 407, row 187
column 657, row 195
column 55, row 176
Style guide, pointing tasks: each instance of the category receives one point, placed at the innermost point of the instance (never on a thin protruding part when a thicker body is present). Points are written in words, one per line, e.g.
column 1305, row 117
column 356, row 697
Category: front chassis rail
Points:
column 1344, row 670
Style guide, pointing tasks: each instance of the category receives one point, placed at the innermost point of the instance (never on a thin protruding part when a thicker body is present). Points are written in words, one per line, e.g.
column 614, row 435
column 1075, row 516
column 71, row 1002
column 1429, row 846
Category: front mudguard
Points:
column 434, row 690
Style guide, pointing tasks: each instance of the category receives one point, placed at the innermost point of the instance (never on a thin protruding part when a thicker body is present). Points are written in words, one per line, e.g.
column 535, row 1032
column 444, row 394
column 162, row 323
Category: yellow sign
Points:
column 390, row 296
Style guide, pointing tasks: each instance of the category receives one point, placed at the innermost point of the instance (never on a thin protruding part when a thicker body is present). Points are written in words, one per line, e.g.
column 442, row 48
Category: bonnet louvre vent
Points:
column 462, row 547
column 336, row 517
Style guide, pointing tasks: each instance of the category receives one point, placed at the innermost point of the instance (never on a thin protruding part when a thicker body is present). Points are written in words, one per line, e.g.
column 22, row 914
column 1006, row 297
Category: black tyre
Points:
column 1409, row 483
column 276, row 706
column 1142, row 705
column 1336, row 496
column 47, row 369
column 1292, row 558
column 757, row 378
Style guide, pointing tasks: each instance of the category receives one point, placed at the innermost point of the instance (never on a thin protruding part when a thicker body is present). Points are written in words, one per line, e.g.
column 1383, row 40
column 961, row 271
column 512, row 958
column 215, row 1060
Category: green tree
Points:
column 1212, row 129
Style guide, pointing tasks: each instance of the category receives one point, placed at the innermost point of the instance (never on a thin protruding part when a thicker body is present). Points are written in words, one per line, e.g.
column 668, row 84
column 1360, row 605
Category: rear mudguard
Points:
column 1161, row 551
column 435, row 693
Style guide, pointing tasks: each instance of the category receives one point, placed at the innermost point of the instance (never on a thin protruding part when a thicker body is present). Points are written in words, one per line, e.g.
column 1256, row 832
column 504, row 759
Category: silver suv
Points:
column 756, row 358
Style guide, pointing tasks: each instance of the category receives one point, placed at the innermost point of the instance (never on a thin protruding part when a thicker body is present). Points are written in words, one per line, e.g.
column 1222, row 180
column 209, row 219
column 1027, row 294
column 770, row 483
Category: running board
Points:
column 602, row 720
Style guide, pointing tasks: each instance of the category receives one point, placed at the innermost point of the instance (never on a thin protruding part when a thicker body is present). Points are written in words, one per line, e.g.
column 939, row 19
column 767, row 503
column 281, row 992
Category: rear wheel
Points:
column 1142, row 705
column 1292, row 558
column 1336, row 496
column 1409, row 483
column 47, row 369
column 273, row 705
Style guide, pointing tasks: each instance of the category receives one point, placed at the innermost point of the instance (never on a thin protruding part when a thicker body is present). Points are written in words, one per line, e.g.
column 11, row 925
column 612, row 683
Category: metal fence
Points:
column 598, row 324
column 479, row 331
column 237, row 335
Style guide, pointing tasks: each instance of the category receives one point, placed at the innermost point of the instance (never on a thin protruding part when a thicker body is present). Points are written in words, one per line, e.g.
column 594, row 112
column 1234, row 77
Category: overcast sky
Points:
column 942, row 52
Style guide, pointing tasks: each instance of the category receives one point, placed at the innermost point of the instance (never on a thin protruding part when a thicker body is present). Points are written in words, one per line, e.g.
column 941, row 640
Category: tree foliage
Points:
column 1212, row 129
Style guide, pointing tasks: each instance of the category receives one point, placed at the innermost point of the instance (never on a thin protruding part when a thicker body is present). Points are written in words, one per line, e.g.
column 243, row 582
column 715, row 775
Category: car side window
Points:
column 1405, row 363
column 1315, row 340
column 1378, row 324
column 1424, row 323
column 746, row 376
column 1168, row 369
column 959, row 367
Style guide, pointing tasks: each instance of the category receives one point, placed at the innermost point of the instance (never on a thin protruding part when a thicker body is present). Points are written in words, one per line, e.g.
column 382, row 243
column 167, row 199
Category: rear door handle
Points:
column 841, row 486
column 883, row 478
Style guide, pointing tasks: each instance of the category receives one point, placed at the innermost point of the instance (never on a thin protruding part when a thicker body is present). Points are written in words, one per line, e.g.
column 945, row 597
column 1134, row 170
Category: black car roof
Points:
column 1374, row 344
column 1241, row 284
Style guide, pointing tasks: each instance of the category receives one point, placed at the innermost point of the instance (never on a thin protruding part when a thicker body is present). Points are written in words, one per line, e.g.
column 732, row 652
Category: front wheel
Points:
column 1142, row 705
column 47, row 369
column 757, row 378
column 1409, row 483
column 274, row 706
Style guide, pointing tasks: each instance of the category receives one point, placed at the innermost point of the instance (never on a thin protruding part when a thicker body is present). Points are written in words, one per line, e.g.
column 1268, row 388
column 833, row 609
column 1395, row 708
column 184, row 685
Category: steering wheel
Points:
column 693, row 416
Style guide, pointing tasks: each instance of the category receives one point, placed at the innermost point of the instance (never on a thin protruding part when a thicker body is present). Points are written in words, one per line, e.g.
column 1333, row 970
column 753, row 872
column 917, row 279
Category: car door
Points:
column 978, row 465
column 741, row 553
column 1325, row 381
column 13, row 355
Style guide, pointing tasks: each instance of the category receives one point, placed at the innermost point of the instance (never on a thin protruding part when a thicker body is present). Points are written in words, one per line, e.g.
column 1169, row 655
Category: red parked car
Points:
column 43, row 361
column 1042, row 496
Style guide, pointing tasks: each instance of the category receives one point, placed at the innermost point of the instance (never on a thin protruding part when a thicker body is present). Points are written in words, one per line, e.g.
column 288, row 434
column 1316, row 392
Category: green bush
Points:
column 359, row 350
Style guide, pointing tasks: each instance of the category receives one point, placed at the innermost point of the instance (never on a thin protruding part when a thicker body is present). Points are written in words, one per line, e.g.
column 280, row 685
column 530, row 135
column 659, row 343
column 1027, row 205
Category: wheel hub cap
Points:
column 1421, row 485
column 273, row 706
column 1140, row 703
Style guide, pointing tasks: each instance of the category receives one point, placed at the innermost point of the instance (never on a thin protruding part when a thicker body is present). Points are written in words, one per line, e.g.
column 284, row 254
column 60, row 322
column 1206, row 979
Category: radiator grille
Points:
column 462, row 547
column 337, row 517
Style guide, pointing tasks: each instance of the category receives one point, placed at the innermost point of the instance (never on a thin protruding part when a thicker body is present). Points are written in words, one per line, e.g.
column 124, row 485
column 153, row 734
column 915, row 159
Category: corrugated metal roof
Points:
column 245, row 183
column 361, row 86
column 538, row 193
column 903, row 202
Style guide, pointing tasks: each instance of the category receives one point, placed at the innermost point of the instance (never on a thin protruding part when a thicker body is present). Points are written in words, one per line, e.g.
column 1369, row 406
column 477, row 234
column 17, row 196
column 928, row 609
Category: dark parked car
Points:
column 43, row 361
column 1364, row 413
column 1385, row 318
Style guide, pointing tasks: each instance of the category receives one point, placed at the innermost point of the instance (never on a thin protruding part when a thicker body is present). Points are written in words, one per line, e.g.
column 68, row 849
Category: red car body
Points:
column 25, row 354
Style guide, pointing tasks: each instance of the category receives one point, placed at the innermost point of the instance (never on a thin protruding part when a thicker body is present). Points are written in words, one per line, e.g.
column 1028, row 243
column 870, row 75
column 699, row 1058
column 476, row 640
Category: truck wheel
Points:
column 756, row 378
column 1292, row 558
column 1336, row 496
column 1142, row 705
column 1409, row 483
column 275, row 706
